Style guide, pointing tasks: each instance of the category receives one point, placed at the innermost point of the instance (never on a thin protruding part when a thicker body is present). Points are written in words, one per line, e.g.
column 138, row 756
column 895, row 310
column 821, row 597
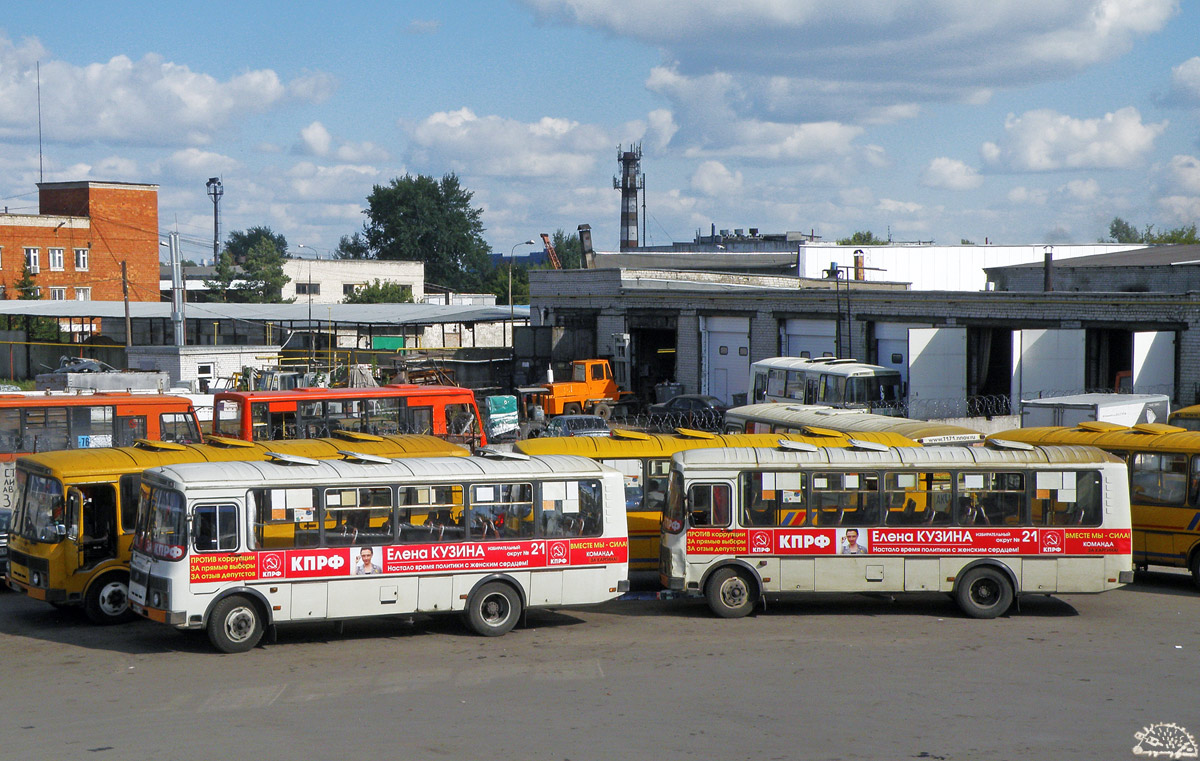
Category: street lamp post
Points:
column 511, row 254
column 215, row 191
column 312, row 347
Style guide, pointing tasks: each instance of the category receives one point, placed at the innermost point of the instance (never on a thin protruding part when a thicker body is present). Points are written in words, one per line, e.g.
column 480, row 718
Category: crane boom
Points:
column 551, row 252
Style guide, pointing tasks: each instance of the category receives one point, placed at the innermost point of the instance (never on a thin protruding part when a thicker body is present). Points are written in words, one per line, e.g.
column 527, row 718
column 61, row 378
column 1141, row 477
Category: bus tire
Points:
column 493, row 609
column 235, row 625
column 1194, row 566
column 107, row 600
column 605, row 411
column 571, row 408
column 984, row 592
column 728, row 592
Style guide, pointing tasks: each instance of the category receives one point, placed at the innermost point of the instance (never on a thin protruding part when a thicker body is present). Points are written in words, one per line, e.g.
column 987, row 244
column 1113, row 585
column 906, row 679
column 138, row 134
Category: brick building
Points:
column 77, row 241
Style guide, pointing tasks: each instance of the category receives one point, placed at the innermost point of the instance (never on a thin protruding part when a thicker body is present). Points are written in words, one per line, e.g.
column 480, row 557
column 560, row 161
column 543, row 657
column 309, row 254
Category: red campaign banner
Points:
column 954, row 541
column 813, row 541
column 307, row 564
column 1098, row 541
column 205, row 569
column 716, row 542
column 599, row 551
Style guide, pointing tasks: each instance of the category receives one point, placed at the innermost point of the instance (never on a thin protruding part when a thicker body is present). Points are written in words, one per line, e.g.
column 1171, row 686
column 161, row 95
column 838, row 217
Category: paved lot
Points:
column 843, row 677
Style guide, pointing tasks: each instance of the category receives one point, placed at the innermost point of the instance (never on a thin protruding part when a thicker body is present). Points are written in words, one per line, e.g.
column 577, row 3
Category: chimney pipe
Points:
column 1048, row 270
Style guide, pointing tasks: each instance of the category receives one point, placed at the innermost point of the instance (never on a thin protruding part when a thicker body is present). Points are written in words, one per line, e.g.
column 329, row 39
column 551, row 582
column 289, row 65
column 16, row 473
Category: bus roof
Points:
column 851, row 420
column 390, row 390
column 433, row 468
column 831, row 365
column 667, row 444
column 86, row 463
column 1191, row 411
column 1143, row 436
column 90, row 399
column 717, row 459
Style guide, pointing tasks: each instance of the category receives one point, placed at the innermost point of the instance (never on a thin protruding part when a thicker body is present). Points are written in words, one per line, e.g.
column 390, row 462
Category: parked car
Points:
column 690, row 411
column 576, row 425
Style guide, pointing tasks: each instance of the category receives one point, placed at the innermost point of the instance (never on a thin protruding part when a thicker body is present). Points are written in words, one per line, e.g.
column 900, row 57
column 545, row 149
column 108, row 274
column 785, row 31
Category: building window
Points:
column 81, row 260
column 83, row 294
column 310, row 289
column 348, row 289
column 31, row 260
column 56, row 259
column 58, row 294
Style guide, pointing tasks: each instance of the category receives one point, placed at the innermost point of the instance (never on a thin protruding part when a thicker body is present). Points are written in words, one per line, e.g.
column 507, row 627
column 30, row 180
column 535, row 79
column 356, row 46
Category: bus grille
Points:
column 29, row 561
column 138, row 576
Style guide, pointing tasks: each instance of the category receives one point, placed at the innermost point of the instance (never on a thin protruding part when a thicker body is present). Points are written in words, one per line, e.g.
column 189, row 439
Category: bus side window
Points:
column 214, row 528
column 129, row 429
column 708, row 505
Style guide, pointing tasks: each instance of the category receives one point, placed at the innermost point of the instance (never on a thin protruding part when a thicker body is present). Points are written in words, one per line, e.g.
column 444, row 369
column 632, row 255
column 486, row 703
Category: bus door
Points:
column 419, row 420
column 279, row 420
column 129, row 428
column 95, row 509
column 811, row 395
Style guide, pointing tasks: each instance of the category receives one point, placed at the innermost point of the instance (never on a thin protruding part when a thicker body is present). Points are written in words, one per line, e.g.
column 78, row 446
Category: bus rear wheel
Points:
column 107, row 600
column 984, row 593
column 235, row 625
column 728, row 593
column 1194, row 566
column 493, row 609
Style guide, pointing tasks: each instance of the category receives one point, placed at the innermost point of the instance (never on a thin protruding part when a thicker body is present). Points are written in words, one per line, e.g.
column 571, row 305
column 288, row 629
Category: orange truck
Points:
column 591, row 390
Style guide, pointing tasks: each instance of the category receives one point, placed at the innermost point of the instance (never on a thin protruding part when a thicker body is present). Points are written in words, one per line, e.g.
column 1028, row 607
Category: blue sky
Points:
column 1014, row 121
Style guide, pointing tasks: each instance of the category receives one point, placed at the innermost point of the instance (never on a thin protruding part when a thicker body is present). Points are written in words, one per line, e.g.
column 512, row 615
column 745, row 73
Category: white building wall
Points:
column 938, row 268
column 183, row 364
column 333, row 276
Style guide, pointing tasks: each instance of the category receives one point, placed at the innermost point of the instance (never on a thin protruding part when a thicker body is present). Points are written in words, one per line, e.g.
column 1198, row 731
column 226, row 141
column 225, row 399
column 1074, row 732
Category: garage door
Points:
column 809, row 338
column 937, row 372
column 891, row 345
column 1048, row 363
column 1154, row 363
column 725, row 343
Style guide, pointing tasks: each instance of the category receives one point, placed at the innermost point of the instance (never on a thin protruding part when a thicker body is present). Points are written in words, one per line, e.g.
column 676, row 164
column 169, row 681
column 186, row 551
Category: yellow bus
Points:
column 778, row 417
column 74, row 517
column 984, row 524
column 1164, row 483
column 645, row 460
column 1186, row 417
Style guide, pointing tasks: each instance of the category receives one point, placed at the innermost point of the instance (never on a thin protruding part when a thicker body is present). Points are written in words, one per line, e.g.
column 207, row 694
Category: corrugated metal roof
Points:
column 1151, row 256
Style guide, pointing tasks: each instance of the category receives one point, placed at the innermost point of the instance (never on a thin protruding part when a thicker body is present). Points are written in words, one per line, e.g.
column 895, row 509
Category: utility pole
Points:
column 128, row 322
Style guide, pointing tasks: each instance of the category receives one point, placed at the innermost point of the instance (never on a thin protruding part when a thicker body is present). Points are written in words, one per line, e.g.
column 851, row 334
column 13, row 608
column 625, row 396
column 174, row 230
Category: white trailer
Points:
column 1122, row 409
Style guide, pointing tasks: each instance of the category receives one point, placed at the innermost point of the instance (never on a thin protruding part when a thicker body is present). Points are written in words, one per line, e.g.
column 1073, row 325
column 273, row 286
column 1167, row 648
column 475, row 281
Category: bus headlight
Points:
column 156, row 600
column 35, row 578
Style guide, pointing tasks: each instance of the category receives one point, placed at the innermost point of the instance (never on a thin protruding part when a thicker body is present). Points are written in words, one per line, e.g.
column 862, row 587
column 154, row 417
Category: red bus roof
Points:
column 123, row 398
column 390, row 390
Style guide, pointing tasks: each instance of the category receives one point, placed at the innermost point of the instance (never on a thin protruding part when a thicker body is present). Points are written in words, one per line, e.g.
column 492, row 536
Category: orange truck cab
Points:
column 591, row 390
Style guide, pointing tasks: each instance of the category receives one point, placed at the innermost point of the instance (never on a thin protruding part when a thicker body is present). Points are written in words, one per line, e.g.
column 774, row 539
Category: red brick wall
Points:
column 118, row 223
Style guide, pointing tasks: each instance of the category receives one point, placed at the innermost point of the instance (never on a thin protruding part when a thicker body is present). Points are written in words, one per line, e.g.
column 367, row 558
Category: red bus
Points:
column 448, row 412
column 44, row 422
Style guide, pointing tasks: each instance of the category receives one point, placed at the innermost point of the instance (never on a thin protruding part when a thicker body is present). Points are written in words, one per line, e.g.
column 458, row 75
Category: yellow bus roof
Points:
column 81, row 464
column 1141, row 437
column 1189, row 412
column 667, row 444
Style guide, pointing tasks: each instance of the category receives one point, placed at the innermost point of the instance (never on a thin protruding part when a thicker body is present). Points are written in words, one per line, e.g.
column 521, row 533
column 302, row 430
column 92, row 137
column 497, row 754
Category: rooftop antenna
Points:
column 41, row 174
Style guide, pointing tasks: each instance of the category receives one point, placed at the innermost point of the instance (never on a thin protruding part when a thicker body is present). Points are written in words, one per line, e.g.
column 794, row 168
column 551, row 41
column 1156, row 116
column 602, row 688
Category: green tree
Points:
column 432, row 221
column 352, row 247
column 1120, row 231
column 381, row 292
column 250, row 268
column 26, row 287
column 1177, row 236
column 263, row 278
column 862, row 238
column 568, row 248
column 240, row 242
column 36, row 328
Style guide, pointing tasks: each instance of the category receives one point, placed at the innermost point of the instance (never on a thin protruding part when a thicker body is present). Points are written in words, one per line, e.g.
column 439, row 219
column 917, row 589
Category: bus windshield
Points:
column 875, row 388
column 162, row 524
column 673, row 515
column 40, row 508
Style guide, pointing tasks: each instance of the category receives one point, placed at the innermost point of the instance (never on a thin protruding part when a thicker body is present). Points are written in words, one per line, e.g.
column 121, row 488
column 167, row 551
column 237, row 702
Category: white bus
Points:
column 235, row 547
column 827, row 380
column 981, row 523
column 776, row 417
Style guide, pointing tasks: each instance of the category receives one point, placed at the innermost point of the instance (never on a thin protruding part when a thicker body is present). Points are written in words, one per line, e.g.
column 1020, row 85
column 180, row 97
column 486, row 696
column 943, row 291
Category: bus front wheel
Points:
column 728, row 593
column 493, row 609
column 107, row 600
column 235, row 625
column 984, row 593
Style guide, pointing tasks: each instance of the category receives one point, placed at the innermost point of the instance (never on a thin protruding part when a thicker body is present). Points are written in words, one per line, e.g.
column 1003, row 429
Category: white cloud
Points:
column 1184, row 173
column 1185, row 209
column 424, row 26
column 193, row 162
column 316, row 139
column 1023, row 195
column 496, row 146
column 1082, row 190
column 950, row 174
column 147, row 101
column 867, row 57
column 900, row 207
column 1185, row 79
column 662, row 127
column 712, row 179
column 1045, row 140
